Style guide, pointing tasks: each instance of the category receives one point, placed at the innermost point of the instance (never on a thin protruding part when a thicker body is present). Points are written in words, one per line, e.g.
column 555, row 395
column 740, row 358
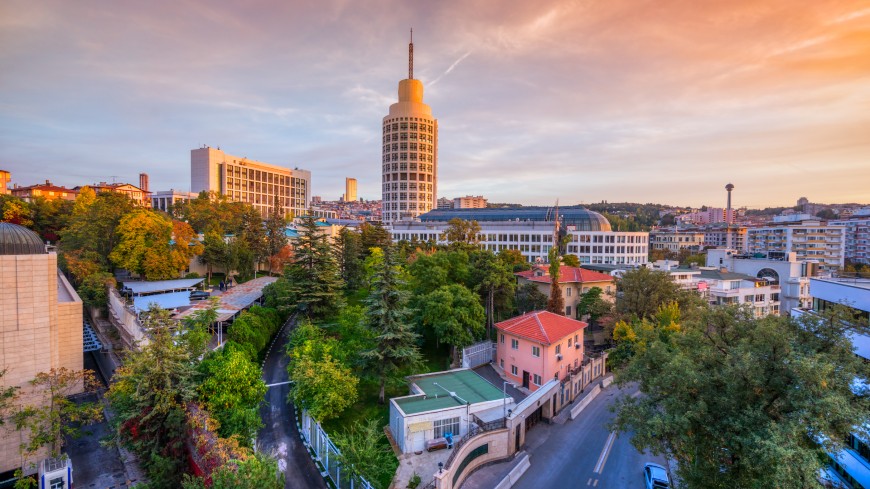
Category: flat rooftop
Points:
column 235, row 299
column 465, row 384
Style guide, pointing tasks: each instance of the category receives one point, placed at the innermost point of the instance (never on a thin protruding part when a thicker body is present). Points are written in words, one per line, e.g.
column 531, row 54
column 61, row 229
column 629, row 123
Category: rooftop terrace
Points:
column 465, row 385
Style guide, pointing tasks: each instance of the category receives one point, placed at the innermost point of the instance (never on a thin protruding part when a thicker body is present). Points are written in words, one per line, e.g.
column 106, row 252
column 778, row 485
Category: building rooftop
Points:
column 464, row 384
column 544, row 327
column 235, row 299
column 18, row 240
column 566, row 275
column 583, row 219
column 720, row 275
column 156, row 286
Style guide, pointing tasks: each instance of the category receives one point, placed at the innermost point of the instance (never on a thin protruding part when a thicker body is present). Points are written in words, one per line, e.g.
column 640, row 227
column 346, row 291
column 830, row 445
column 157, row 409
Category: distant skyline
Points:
column 623, row 100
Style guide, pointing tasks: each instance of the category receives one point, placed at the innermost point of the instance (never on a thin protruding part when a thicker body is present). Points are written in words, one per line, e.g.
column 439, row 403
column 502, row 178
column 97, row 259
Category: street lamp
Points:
column 440, row 467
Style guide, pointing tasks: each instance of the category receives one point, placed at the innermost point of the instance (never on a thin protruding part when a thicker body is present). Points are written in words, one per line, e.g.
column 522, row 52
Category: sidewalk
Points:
column 490, row 476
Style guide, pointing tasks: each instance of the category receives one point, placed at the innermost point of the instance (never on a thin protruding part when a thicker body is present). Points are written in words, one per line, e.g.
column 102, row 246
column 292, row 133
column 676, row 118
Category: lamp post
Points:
column 504, row 399
column 440, row 467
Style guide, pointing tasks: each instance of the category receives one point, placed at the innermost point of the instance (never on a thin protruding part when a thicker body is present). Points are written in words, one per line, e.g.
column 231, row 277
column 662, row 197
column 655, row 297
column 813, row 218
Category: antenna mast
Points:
column 411, row 57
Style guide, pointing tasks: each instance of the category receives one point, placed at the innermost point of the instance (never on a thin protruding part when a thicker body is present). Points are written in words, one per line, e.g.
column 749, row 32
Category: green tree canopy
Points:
column 495, row 283
column 321, row 384
column 743, row 402
column 313, row 277
column 454, row 314
column 555, row 303
column 461, row 233
column 232, row 390
column 530, row 298
column 366, row 452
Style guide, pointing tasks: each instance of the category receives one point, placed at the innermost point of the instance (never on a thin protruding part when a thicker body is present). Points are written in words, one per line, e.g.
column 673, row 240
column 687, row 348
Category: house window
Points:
column 449, row 425
column 568, row 291
column 569, row 342
column 515, row 344
column 536, row 351
column 567, row 310
column 514, row 370
column 536, row 379
column 502, row 338
column 558, row 349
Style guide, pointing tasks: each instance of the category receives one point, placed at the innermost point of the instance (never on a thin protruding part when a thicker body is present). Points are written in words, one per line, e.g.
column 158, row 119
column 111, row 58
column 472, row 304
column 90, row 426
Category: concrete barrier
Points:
column 585, row 402
column 515, row 473
column 606, row 382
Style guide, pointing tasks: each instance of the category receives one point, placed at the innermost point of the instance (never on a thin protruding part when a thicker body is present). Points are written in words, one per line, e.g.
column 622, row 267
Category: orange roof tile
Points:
column 566, row 275
column 542, row 326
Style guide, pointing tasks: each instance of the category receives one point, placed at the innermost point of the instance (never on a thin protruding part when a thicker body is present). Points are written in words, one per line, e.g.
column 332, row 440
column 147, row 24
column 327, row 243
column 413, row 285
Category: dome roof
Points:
column 583, row 219
column 18, row 240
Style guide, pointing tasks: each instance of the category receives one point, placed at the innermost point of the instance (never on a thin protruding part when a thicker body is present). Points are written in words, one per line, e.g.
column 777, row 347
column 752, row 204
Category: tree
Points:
column 593, row 304
column 555, row 303
column 256, row 471
column 744, row 402
column 826, row 214
column 184, row 245
column 365, row 452
column 530, row 298
column 214, row 250
column 429, row 271
column 515, row 260
column 570, row 261
column 16, row 211
column 55, row 416
column 149, row 395
column 462, row 233
column 276, row 239
column 8, row 395
column 321, row 384
column 93, row 223
column 493, row 280
column 313, row 276
column 50, row 216
column 641, row 291
column 454, row 314
column 251, row 245
column 144, row 245
column 374, row 235
column 350, row 258
column 233, row 390
column 386, row 314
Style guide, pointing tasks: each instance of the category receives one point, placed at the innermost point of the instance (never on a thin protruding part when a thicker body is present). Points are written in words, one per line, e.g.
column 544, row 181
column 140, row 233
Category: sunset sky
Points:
column 623, row 100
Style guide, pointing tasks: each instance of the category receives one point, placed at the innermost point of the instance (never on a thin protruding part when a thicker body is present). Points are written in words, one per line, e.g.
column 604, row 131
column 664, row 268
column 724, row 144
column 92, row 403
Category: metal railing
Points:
column 325, row 452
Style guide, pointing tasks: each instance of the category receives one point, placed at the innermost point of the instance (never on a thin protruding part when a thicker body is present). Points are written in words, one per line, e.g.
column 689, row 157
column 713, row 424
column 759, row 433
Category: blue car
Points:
column 656, row 477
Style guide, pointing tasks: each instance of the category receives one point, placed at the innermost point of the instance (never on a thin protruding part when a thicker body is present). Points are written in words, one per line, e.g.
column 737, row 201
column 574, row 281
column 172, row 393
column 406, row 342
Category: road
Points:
column 583, row 453
column 279, row 435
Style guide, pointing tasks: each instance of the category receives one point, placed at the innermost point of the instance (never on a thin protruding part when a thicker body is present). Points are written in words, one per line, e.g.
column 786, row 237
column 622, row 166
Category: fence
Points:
column 324, row 452
column 478, row 354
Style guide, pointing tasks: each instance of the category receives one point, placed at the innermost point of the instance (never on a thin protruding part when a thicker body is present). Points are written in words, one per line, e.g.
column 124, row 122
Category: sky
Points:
column 582, row 101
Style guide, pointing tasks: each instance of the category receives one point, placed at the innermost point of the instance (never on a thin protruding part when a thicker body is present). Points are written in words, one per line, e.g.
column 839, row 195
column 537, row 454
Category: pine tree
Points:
column 387, row 313
column 556, row 303
column 313, row 277
column 276, row 223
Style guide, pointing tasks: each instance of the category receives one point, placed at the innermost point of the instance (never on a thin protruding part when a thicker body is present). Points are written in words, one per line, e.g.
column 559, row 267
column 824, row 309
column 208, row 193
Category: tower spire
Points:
column 411, row 56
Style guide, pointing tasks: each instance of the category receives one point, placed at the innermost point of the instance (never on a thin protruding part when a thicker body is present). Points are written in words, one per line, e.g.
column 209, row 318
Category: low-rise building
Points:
column 539, row 346
column 722, row 287
column 443, row 403
column 676, row 240
column 141, row 197
column 47, row 191
column 779, row 269
column 573, row 282
column 165, row 199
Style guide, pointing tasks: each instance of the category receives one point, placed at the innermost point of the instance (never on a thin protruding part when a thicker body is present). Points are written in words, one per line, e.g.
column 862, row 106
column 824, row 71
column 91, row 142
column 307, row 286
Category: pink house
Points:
column 539, row 346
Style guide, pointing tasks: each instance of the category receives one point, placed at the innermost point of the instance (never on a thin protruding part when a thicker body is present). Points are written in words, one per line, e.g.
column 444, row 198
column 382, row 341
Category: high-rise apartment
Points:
column 249, row 181
column 350, row 190
column 410, row 152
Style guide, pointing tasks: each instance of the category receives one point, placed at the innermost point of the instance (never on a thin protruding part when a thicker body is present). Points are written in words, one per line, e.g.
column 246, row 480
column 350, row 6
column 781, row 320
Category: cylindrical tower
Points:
column 410, row 153
column 728, row 217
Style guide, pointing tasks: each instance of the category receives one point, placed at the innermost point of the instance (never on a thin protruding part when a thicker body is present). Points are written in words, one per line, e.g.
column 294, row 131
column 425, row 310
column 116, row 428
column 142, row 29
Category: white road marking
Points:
column 589, row 482
column 595, row 483
column 278, row 383
column 604, row 453
column 636, row 394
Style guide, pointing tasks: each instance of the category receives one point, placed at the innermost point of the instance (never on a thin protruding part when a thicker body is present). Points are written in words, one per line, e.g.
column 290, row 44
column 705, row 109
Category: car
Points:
column 656, row 477
column 199, row 295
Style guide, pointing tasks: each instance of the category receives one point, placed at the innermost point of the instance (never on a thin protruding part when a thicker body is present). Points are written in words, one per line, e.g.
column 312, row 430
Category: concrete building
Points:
column 445, row 203
column 538, row 347
column 780, row 270
column 249, row 181
column 47, row 191
column 712, row 215
column 722, row 287
column 350, row 190
column 442, row 403
column 165, row 199
column 530, row 230
column 40, row 327
column 857, row 231
column 718, row 237
column 676, row 240
column 809, row 240
column 469, row 202
column 410, row 153
column 573, row 282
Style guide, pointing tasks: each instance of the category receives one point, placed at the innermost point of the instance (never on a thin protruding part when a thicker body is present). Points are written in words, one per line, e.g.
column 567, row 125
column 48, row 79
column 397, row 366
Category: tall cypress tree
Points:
column 313, row 277
column 387, row 315
column 556, row 303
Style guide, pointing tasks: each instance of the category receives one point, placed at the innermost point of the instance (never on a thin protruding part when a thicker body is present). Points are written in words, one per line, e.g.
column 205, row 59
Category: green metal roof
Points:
column 466, row 384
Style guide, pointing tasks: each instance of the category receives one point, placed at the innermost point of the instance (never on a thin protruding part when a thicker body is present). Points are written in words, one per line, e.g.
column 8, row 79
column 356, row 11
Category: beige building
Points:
column 40, row 324
column 469, row 202
column 163, row 200
column 573, row 281
column 674, row 240
column 5, row 178
column 350, row 190
column 139, row 196
column 249, row 181
column 47, row 191
column 410, row 153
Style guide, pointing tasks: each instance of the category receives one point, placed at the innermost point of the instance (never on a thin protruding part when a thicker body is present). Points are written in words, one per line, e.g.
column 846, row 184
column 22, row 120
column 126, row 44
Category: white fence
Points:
column 324, row 452
column 478, row 354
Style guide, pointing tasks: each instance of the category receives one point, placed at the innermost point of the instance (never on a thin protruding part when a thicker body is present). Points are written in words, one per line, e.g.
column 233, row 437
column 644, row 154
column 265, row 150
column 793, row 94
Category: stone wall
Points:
column 497, row 441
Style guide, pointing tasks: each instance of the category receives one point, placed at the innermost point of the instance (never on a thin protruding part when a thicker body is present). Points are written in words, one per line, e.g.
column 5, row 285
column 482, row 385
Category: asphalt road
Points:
column 279, row 435
column 583, row 454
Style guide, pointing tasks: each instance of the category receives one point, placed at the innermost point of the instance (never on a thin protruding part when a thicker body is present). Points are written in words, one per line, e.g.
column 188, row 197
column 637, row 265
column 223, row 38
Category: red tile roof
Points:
column 541, row 326
column 566, row 275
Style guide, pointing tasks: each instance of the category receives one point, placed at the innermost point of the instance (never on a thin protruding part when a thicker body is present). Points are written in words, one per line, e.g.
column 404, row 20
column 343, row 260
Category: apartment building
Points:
column 779, row 269
column 857, row 237
column 47, row 191
column 249, row 181
column 676, row 240
column 809, row 240
column 573, row 283
column 469, row 202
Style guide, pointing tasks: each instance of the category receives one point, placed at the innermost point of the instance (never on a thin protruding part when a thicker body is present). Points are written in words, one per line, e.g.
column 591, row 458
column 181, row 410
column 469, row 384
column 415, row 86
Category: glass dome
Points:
column 581, row 218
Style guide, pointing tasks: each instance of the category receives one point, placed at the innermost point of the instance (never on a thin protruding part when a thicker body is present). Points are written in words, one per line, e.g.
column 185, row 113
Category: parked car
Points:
column 198, row 295
column 656, row 477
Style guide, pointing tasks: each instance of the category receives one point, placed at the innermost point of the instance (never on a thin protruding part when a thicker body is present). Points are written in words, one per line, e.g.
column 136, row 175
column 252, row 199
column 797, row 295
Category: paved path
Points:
column 279, row 435
column 579, row 454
